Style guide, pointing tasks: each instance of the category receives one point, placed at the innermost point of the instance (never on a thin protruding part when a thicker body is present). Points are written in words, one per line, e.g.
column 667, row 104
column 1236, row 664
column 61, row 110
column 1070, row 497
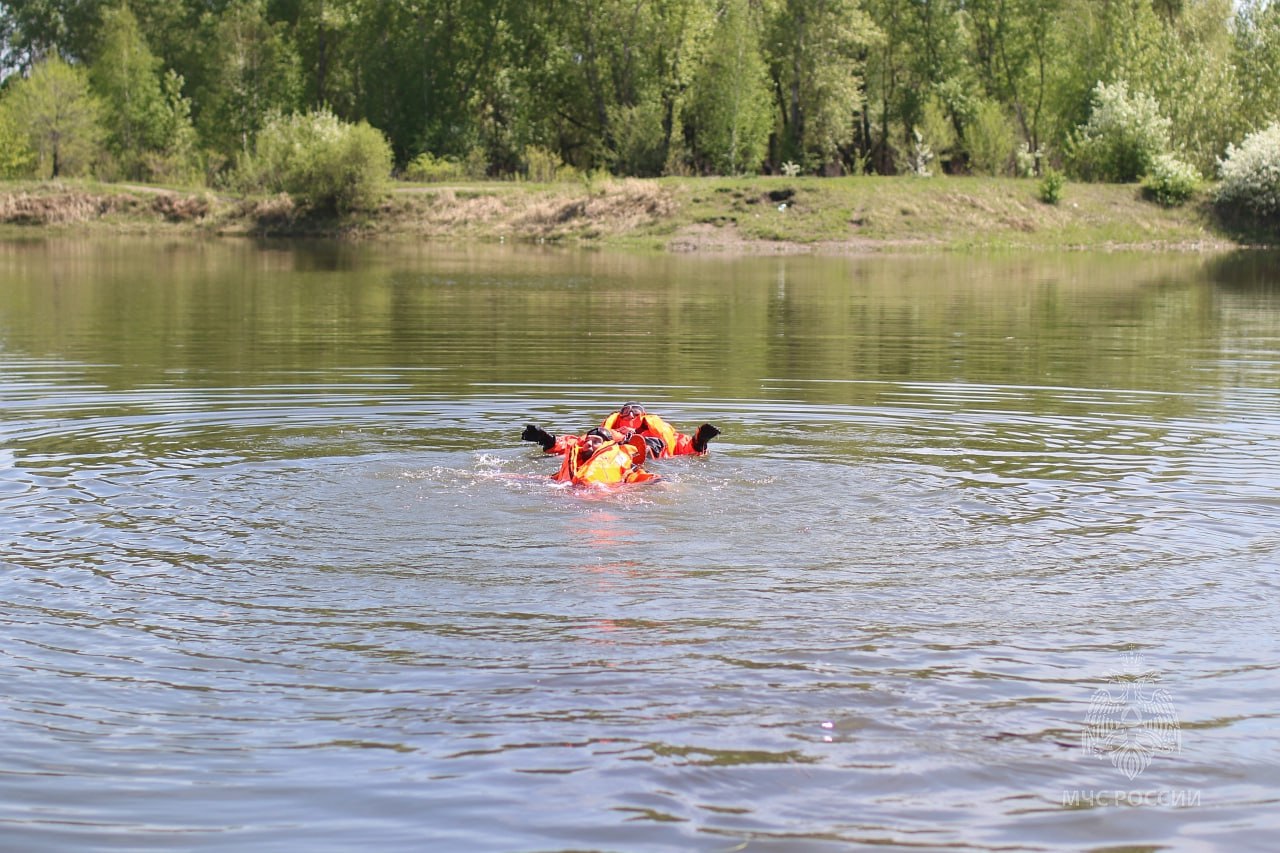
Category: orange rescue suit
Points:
column 613, row 463
column 565, row 443
column 673, row 443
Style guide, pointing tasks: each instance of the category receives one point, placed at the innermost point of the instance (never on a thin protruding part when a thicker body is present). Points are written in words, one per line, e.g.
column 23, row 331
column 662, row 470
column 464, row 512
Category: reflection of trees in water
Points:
column 835, row 330
column 1246, row 272
column 1087, row 320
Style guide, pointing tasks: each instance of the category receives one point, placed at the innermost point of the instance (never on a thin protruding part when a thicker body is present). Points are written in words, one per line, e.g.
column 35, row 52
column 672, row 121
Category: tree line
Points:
column 181, row 90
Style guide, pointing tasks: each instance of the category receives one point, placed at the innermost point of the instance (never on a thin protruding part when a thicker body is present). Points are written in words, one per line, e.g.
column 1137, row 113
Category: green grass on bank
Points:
column 947, row 213
column 767, row 214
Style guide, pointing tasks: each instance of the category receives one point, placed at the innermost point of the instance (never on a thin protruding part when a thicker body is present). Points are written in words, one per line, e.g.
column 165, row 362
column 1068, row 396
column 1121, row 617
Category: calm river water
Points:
column 986, row 557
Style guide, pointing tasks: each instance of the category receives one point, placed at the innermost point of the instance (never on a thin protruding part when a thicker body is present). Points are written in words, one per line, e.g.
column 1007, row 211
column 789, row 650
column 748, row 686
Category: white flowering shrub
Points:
column 921, row 156
column 320, row 161
column 1170, row 181
column 1028, row 162
column 1123, row 136
column 1251, row 174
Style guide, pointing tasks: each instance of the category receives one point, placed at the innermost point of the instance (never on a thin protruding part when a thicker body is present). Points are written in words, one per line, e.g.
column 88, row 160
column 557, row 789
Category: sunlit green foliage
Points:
column 251, row 72
column 991, row 139
column 1255, row 59
column 148, row 127
column 729, row 104
column 17, row 160
column 62, row 118
column 813, row 49
column 665, row 86
column 1051, row 186
column 428, row 168
column 543, row 166
column 320, row 161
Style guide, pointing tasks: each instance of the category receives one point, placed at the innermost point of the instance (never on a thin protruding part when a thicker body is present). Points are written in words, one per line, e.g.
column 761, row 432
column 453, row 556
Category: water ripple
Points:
column 348, row 599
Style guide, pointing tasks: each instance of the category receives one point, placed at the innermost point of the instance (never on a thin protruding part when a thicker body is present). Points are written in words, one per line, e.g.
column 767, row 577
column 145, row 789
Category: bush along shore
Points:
column 849, row 215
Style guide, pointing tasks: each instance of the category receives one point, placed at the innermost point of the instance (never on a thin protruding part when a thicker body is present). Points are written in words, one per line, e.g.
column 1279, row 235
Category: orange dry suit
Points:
column 568, row 441
column 613, row 463
column 674, row 443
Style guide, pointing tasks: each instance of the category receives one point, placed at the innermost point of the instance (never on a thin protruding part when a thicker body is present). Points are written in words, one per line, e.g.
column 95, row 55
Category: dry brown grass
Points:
column 746, row 215
column 181, row 208
column 618, row 207
column 63, row 207
column 272, row 212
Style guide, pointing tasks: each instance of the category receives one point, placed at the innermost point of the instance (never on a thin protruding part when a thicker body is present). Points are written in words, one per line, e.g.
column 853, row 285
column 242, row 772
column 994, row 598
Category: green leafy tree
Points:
column 147, row 121
column 17, row 160
column 61, row 116
column 1197, row 86
column 937, row 132
column 683, row 30
column 1014, row 46
column 1099, row 42
column 606, row 82
column 250, row 71
column 423, row 68
column 639, row 142
column 322, row 32
column 1256, row 61
column 35, row 29
column 815, row 50
column 730, row 108
column 178, row 159
column 886, row 74
column 915, row 65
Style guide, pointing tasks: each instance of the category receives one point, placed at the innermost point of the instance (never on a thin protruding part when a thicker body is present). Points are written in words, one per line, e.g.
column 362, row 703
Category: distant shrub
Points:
column 936, row 129
column 541, row 165
column 428, row 168
column 320, row 161
column 1051, row 186
column 1170, row 181
column 1251, row 174
column 1027, row 163
column 1123, row 136
column 639, row 143
column 544, row 166
column 990, row 138
column 476, row 164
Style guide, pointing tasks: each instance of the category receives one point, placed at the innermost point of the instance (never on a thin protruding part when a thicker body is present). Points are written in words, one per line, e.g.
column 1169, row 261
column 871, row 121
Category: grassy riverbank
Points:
column 762, row 214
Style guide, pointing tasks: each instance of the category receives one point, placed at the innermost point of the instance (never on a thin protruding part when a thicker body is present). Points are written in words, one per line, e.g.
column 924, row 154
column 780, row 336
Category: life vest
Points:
column 653, row 425
column 613, row 463
column 565, row 443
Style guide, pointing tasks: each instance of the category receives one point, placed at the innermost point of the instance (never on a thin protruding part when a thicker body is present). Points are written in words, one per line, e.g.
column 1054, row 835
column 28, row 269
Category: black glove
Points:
column 655, row 445
column 533, row 432
column 705, row 433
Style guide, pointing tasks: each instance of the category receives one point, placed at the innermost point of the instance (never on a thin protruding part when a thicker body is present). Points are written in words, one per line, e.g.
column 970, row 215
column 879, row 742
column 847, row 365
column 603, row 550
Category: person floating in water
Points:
column 632, row 419
column 600, row 458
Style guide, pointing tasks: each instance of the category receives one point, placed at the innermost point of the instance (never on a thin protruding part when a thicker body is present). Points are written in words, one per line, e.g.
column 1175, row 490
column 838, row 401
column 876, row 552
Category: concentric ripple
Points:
column 324, row 597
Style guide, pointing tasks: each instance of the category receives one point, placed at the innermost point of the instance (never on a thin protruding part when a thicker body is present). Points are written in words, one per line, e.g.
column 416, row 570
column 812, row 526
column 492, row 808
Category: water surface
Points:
column 277, row 573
